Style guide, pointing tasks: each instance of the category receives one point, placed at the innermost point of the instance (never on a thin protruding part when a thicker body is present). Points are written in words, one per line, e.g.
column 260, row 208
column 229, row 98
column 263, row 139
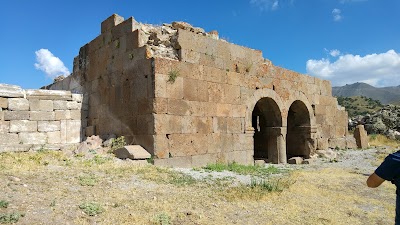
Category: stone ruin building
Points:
column 190, row 98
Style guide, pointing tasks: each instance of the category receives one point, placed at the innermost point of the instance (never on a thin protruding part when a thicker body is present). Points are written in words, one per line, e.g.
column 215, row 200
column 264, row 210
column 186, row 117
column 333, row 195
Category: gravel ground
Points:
column 358, row 161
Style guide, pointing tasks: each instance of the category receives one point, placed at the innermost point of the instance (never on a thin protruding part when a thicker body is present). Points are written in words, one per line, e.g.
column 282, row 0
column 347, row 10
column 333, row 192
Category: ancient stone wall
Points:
column 190, row 98
column 40, row 119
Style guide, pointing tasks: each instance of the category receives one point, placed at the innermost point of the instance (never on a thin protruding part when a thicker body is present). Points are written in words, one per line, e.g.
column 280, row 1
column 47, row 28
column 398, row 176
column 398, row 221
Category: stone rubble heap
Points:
column 40, row 119
column 385, row 121
column 163, row 40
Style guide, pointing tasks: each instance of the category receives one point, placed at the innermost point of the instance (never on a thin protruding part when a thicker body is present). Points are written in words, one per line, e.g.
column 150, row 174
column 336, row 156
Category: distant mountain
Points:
column 386, row 95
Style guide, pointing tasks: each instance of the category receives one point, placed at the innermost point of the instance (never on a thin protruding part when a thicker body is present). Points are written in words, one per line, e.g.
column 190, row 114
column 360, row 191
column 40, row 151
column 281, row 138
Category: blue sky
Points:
column 344, row 41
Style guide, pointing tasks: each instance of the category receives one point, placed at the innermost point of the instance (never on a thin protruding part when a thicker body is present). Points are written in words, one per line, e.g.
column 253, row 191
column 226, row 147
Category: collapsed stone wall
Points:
column 40, row 119
column 190, row 98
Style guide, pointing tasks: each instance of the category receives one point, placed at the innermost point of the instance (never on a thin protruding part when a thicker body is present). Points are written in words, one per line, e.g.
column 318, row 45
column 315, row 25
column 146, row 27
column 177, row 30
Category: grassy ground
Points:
column 50, row 188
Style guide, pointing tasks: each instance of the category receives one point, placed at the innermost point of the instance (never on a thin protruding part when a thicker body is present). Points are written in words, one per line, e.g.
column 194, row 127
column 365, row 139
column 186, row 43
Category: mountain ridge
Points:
column 386, row 95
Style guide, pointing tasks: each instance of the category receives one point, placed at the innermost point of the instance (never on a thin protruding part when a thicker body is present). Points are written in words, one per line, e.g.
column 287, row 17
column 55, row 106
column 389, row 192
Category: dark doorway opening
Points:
column 265, row 116
column 298, row 131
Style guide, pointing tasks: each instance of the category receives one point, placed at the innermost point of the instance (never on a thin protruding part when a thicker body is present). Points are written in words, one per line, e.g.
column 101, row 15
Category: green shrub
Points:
column 91, row 208
column 3, row 204
column 162, row 219
column 10, row 217
column 172, row 75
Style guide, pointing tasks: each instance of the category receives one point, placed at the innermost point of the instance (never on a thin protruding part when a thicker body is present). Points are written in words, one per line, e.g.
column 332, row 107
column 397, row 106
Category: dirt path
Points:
column 49, row 188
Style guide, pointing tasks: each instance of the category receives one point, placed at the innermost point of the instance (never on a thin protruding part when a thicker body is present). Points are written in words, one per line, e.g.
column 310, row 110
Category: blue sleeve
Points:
column 390, row 168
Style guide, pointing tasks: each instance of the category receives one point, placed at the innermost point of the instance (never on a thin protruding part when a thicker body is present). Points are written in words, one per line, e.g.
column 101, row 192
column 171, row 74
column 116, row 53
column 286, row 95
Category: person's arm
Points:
column 374, row 181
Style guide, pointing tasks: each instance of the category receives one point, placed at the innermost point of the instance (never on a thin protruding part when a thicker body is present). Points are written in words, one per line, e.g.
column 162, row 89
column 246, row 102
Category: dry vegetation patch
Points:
column 50, row 188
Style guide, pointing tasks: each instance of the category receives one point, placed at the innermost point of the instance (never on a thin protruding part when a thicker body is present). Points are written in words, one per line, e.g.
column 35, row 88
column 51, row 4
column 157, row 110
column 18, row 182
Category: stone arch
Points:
column 257, row 95
column 300, row 128
column 265, row 117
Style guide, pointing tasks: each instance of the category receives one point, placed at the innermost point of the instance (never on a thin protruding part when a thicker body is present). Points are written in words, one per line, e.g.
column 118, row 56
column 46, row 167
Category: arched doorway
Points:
column 266, row 118
column 298, row 136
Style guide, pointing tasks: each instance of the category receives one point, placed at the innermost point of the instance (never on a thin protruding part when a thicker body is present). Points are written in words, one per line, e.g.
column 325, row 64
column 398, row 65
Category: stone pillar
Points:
column 249, row 133
column 281, row 144
column 277, row 145
column 361, row 137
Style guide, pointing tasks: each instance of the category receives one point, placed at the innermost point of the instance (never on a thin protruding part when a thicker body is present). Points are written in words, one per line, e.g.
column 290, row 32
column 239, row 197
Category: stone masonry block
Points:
column 9, row 139
column 11, row 91
column 203, row 160
column 174, row 90
column 48, row 94
column 18, row 104
column 361, row 137
column 111, row 22
column 219, row 124
column 41, row 105
column 136, row 39
column 74, row 105
column 1, row 115
column 160, row 82
column 234, row 125
column 160, row 105
column 60, row 105
column 23, row 126
column 62, row 114
column 213, row 74
column 132, row 152
column 3, row 103
column 214, row 144
column 187, row 144
column 77, row 98
column 231, row 94
column 75, row 114
column 188, row 55
column 224, row 110
column 4, row 127
column 203, row 125
column 33, row 138
column 124, row 28
column 181, row 162
column 215, row 92
column 16, row 115
column 39, row 115
column 237, row 111
column 70, row 131
column 46, row 126
column 53, row 137
column 190, row 89
column 178, row 107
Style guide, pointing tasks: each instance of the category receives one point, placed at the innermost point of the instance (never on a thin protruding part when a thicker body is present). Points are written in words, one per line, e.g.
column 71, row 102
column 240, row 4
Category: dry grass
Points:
column 54, row 189
column 379, row 140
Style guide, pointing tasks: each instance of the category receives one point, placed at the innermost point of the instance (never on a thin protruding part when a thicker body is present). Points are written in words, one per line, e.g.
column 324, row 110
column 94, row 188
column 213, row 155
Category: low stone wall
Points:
column 40, row 119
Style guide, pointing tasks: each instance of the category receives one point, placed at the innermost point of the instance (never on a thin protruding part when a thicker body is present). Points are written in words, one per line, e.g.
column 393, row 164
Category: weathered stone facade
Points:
column 190, row 98
column 40, row 119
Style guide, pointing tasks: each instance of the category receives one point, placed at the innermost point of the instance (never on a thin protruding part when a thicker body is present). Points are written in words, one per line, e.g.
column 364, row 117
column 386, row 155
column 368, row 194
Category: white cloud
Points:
column 337, row 15
column 375, row 69
column 265, row 5
column 50, row 64
column 334, row 52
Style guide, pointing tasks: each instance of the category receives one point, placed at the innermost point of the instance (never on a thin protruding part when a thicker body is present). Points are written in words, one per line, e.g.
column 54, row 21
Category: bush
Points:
column 91, row 208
